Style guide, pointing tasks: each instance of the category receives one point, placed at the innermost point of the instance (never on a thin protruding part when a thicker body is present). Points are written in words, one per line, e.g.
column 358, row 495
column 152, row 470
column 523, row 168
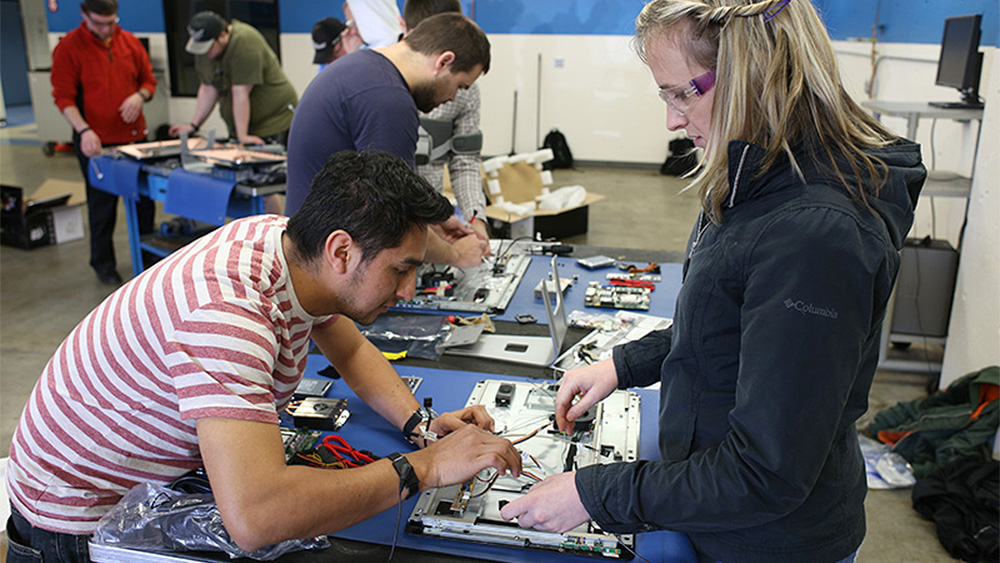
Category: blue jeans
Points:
column 28, row 544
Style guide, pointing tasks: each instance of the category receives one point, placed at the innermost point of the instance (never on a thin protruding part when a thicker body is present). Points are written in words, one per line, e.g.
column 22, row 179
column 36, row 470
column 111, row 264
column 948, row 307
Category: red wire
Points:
column 340, row 449
column 634, row 283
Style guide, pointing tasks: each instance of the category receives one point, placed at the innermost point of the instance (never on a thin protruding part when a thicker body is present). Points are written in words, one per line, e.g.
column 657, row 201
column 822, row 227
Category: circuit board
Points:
column 487, row 288
column 616, row 297
column 298, row 440
column 470, row 511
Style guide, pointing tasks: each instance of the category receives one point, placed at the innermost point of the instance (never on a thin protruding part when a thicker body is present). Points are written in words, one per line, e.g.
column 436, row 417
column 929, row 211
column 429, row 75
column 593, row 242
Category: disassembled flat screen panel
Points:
column 523, row 411
column 161, row 149
column 238, row 157
column 599, row 343
column 487, row 288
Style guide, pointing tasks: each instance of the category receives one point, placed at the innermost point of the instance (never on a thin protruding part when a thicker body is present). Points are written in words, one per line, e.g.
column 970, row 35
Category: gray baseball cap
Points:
column 204, row 29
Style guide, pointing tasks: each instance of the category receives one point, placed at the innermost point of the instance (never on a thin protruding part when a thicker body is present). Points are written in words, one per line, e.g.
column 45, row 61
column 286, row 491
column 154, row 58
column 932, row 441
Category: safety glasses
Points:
column 105, row 22
column 682, row 97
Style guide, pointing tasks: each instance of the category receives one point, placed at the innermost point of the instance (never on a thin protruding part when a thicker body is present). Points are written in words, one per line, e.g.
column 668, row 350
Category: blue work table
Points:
column 191, row 195
column 369, row 540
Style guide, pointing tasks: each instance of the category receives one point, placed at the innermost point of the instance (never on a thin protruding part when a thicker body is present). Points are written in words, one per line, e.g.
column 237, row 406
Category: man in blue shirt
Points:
column 370, row 100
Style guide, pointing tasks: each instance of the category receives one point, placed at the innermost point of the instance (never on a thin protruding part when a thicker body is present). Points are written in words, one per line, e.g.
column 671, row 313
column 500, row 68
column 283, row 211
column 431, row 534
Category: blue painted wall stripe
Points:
column 900, row 21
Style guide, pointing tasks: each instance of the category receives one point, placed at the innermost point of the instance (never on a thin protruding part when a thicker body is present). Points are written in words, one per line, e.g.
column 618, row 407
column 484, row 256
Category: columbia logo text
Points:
column 810, row 309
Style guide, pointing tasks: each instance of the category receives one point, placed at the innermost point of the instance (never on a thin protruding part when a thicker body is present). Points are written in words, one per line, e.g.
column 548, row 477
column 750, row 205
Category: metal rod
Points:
column 513, row 128
column 538, row 105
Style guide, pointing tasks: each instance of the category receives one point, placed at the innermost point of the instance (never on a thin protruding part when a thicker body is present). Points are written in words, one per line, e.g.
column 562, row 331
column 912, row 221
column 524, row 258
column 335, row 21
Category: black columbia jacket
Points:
column 767, row 367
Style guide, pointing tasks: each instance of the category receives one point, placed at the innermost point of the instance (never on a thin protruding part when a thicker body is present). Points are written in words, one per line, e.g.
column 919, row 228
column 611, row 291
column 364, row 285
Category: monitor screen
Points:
column 958, row 66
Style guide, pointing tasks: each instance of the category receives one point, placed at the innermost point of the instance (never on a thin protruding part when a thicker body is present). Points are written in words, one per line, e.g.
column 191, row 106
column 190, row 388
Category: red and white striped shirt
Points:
column 215, row 330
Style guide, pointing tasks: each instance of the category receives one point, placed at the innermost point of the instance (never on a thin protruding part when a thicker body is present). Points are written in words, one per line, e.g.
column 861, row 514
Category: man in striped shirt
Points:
column 189, row 364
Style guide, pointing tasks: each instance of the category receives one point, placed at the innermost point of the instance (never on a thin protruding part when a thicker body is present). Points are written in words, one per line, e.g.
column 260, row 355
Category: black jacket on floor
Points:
column 963, row 499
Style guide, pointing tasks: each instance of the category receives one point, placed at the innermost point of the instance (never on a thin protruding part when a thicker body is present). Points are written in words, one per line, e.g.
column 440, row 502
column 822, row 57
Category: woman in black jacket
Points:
column 806, row 202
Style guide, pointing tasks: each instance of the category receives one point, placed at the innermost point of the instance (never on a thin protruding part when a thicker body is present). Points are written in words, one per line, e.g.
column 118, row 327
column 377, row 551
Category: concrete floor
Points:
column 45, row 292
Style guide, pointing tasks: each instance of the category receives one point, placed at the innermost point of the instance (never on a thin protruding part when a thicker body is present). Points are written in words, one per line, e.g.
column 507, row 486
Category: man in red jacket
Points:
column 101, row 77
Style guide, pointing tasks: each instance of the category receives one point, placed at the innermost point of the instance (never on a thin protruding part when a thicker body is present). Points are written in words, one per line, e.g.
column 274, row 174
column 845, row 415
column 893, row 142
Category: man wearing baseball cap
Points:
column 327, row 41
column 239, row 71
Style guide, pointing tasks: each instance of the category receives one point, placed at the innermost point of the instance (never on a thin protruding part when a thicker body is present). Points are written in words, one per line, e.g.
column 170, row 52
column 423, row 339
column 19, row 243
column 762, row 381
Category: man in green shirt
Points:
column 238, row 69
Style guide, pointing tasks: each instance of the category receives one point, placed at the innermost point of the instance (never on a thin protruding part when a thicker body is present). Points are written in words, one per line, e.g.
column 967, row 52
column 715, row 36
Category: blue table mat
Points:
column 198, row 196
column 365, row 429
column 118, row 176
column 661, row 301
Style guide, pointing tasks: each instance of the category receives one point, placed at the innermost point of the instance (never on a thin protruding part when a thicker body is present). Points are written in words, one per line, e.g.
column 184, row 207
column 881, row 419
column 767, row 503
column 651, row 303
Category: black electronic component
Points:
column 435, row 278
column 570, row 458
column 505, row 393
column 525, row 319
column 329, row 371
column 960, row 64
column 583, row 423
column 586, row 420
column 320, row 414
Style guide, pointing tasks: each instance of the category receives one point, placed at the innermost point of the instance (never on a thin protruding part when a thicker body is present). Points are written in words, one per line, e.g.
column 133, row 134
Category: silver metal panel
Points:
column 613, row 436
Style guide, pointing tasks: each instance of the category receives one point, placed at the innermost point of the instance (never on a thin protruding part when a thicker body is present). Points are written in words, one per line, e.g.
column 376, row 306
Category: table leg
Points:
column 134, row 242
column 911, row 126
column 257, row 205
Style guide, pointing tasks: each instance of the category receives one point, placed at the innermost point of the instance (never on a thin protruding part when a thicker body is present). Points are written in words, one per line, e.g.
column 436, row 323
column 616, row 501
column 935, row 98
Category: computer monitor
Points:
column 961, row 62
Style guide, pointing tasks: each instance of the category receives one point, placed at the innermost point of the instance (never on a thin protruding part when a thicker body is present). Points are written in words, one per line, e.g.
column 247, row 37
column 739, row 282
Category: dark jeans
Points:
column 102, row 209
column 28, row 544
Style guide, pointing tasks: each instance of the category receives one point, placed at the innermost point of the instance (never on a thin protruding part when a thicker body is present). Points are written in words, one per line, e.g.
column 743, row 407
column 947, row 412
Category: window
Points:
column 262, row 14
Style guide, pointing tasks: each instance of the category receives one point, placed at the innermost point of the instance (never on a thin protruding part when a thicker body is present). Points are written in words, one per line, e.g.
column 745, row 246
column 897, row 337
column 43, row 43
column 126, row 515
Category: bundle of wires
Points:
column 652, row 268
column 333, row 453
column 502, row 255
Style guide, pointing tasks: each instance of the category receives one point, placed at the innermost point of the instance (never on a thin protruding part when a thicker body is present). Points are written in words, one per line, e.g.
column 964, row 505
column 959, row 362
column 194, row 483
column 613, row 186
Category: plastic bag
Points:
column 585, row 319
column 156, row 518
column 420, row 336
column 884, row 468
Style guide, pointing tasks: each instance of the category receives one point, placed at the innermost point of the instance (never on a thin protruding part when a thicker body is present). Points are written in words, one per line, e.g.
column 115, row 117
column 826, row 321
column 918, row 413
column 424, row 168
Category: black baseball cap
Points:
column 203, row 30
column 326, row 35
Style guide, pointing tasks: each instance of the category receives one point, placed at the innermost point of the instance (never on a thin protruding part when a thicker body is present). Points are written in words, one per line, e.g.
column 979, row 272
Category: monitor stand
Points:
column 528, row 350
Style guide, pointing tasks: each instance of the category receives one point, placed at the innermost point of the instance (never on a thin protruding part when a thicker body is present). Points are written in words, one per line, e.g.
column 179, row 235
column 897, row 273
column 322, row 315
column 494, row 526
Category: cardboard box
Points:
column 54, row 214
column 521, row 182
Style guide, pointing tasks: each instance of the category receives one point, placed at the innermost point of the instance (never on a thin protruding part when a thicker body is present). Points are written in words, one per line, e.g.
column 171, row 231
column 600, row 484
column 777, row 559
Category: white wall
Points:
column 974, row 332
column 594, row 89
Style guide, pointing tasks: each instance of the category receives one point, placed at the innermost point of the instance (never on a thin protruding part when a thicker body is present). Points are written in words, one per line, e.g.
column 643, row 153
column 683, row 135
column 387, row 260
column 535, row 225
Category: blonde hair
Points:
column 777, row 85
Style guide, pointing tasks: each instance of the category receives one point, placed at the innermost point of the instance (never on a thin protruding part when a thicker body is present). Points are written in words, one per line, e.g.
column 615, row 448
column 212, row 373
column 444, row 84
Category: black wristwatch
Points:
column 407, row 476
column 422, row 414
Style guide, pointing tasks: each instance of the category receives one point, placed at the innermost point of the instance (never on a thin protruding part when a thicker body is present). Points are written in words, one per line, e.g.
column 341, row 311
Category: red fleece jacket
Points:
column 97, row 78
